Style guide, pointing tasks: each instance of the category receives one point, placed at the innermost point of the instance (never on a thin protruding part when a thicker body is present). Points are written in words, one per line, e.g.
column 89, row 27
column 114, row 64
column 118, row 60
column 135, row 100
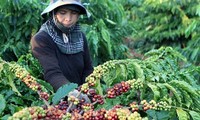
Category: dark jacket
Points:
column 59, row 68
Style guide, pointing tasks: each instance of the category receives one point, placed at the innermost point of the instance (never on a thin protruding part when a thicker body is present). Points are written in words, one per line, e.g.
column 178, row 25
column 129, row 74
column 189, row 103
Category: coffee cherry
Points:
column 44, row 95
column 134, row 116
column 84, row 88
column 118, row 89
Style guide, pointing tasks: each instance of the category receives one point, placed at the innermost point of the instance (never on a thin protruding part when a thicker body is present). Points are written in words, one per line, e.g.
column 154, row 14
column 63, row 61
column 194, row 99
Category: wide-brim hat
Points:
column 57, row 3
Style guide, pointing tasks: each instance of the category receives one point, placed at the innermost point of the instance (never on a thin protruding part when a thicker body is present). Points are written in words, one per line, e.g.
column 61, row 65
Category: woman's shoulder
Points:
column 41, row 35
column 41, row 38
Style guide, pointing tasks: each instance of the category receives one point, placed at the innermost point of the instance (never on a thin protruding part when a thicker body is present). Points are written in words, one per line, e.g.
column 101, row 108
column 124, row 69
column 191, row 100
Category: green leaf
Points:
column 14, row 108
column 187, row 98
column 198, row 10
column 123, row 72
column 18, row 35
column 109, row 78
column 12, row 85
column 175, row 53
column 158, row 115
column 131, row 70
column 6, row 29
column 163, row 115
column 95, row 41
column 28, row 17
column 163, row 89
column 45, row 84
column 30, row 97
column 190, row 28
column 107, row 42
column 155, row 90
column 99, row 88
column 17, row 100
column 2, row 103
column 109, row 103
column 63, row 92
column 195, row 53
column 173, row 90
column 5, row 117
column 182, row 115
column 138, row 71
column 2, row 3
column 111, row 22
column 117, row 73
column 185, row 86
column 194, row 115
column 95, row 38
column 152, row 113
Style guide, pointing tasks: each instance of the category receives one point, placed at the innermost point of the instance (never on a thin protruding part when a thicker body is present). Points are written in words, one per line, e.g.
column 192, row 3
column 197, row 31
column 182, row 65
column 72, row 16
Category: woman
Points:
column 60, row 46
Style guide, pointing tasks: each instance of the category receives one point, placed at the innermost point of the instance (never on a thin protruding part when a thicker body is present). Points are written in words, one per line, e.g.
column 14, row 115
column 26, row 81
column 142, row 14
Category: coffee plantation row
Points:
column 161, row 86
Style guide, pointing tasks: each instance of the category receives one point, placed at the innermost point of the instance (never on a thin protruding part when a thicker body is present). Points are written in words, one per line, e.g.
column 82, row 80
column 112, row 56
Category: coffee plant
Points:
column 158, row 87
column 146, row 23
column 19, row 20
column 105, row 29
column 14, row 94
column 166, row 23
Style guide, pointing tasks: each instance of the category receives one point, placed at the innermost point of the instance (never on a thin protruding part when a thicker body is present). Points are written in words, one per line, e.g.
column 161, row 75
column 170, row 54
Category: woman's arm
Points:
column 44, row 51
column 88, row 66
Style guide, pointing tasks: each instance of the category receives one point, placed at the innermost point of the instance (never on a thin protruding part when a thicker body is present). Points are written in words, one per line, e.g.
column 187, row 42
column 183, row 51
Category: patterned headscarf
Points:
column 69, row 42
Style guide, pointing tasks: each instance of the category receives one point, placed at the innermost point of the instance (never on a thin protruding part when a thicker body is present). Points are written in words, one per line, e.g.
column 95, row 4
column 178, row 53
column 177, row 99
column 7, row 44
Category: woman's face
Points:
column 67, row 17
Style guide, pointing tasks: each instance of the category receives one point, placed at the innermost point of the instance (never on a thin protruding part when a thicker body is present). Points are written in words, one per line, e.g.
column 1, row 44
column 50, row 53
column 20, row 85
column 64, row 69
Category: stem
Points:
column 81, row 112
column 138, row 95
column 45, row 102
column 78, row 94
column 105, row 96
column 70, row 105
column 94, row 103
column 184, row 108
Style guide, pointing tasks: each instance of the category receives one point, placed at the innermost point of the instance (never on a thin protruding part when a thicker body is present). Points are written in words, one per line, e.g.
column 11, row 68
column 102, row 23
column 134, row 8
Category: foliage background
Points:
column 166, row 23
column 135, row 27
column 117, row 30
